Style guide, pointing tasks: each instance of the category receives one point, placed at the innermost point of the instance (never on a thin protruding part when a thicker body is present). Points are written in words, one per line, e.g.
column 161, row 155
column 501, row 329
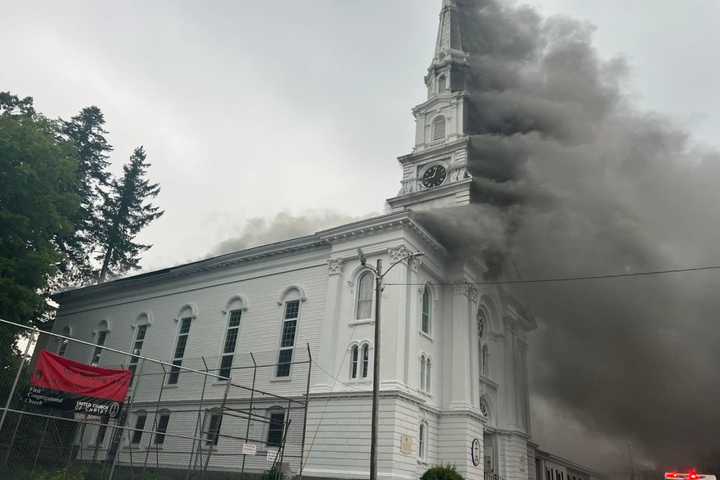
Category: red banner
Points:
column 61, row 383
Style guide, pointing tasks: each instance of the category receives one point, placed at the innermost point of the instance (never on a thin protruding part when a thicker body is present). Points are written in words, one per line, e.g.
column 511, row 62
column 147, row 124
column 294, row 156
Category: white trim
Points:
column 301, row 292
column 237, row 298
column 192, row 306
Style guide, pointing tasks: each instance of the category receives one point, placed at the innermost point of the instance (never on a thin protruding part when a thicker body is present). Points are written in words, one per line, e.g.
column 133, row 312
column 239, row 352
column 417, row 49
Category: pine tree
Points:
column 126, row 210
column 87, row 134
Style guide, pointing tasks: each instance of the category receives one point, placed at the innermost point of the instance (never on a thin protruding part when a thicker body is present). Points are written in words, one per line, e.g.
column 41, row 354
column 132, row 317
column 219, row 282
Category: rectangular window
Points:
column 182, row 339
column 365, row 360
column 162, row 428
column 230, row 343
column 139, row 425
column 275, row 429
column 97, row 353
column 102, row 430
column 63, row 348
column 355, row 353
column 213, row 431
column 421, row 442
column 287, row 340
column 137, row 348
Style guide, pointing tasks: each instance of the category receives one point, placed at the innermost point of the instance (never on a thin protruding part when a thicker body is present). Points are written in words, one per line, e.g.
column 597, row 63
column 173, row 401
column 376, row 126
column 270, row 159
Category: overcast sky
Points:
column 248, row 109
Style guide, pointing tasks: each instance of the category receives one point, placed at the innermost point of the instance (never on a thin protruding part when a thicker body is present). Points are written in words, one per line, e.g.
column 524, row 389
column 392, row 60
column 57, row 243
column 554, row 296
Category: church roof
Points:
column 318, row 240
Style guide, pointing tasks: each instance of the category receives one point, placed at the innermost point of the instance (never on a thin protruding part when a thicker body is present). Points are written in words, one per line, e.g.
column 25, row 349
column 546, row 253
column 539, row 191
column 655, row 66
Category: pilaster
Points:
column 330, row 324
column 460, row 390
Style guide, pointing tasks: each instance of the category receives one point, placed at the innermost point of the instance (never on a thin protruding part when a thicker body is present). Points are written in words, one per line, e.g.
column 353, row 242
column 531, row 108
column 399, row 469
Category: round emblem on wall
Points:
column 114, row 410
column 475, row 452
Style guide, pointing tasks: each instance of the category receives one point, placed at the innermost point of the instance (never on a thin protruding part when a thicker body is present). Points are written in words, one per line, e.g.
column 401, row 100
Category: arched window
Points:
column 365, row 360
column 438, row 128
column 102, row 335
column 363, row 309
column 422, row 441
column 212, row 432
column 163, row 420
column 424, row 373
column 140, row 419
column 231, row 336
column 102, row 430
column 359, row 360
column 62, row 342
column 484, row 361
column 186, row 316
column 426, row 320
column 276, row 427
column 140, row 334
column 291, row 314
column 481, row 319
column 427, row 375
column 354, row 361
column 442, row 84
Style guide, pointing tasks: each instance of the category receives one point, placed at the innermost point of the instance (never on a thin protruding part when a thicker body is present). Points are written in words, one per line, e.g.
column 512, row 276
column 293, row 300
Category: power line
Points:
column 572, row 279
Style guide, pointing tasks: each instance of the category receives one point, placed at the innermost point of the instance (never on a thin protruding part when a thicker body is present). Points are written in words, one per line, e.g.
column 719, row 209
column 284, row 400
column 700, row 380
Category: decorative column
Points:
column 402, row 329
column 460, row 390
column 330, row 322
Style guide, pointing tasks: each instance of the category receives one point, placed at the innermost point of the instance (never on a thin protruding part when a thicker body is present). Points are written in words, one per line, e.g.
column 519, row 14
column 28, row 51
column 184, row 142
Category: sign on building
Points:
column 66, row 385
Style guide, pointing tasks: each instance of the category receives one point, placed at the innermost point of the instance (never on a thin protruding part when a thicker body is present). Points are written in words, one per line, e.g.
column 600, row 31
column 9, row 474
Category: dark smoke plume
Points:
column 574, row 180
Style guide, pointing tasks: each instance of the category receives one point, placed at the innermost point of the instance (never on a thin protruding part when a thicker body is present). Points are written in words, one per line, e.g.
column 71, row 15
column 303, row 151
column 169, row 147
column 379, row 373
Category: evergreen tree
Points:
column 125, row 211
column 87, row 134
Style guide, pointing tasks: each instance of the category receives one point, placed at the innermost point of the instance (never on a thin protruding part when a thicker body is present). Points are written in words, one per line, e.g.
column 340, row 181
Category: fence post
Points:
column 135, row 382
column 155, row 421
column 250, row 412
column 192, row 464
column 307, row 400
column 222, row 411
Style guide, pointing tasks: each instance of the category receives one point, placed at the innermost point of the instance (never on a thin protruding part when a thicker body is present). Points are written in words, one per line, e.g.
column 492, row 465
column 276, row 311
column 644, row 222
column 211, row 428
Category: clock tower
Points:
column 435, row 174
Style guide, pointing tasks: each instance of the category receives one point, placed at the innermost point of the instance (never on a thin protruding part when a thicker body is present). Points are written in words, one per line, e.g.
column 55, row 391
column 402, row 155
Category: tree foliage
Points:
column 441, row 472
column 61, row 211
column 38, row 200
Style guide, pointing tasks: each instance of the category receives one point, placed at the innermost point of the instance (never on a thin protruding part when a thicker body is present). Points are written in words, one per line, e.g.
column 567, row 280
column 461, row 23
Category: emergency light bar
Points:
column 691, row 475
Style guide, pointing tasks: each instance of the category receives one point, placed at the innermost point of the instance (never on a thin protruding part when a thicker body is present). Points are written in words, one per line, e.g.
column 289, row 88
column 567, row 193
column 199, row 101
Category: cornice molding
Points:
column 319, row 240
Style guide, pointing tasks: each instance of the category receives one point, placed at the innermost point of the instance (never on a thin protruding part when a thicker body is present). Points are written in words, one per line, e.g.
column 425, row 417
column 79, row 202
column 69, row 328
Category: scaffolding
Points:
column 200, row 418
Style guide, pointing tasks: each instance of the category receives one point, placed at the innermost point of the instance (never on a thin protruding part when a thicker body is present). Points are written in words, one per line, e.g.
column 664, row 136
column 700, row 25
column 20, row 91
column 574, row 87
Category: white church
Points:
column 454, row 376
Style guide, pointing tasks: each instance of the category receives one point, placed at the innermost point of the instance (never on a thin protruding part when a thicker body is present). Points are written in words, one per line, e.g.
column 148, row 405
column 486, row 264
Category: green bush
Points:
column 441, row 472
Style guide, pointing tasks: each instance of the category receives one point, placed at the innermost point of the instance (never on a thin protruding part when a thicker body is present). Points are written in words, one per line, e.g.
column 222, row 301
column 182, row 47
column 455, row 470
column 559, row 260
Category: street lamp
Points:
column 379, row 275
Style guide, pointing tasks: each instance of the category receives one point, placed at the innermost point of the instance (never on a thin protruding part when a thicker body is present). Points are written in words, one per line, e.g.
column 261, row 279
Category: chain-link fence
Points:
column 235, row 416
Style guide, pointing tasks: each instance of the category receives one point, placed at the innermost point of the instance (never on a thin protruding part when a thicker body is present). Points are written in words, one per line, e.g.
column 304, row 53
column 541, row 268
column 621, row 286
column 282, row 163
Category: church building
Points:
column 454, row 377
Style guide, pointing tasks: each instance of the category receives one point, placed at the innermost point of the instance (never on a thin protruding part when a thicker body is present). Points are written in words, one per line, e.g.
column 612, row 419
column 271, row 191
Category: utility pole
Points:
column 376, row 372
column 379, row 274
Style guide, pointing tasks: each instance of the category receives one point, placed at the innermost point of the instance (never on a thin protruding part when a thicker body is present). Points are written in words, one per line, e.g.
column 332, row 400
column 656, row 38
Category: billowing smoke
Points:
column 574, row 180
column 260, row 231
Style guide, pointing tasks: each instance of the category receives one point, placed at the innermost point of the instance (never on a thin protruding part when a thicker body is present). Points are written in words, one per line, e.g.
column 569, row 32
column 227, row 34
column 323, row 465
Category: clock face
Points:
column 434, row 176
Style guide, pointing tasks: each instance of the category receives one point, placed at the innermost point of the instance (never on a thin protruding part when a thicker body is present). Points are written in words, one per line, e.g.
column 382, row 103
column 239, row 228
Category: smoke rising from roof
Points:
column 572, row 179
column 260, row 231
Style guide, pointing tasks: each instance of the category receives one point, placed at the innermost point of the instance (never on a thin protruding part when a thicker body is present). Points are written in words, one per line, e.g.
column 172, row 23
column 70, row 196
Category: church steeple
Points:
column 449, row 64
column 449, row 33
column 435, row 174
